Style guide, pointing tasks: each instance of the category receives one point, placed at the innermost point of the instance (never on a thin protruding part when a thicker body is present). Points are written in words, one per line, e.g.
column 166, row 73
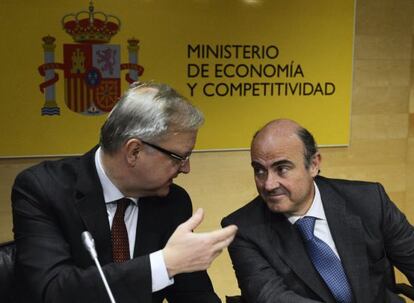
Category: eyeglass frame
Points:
column 171, row 154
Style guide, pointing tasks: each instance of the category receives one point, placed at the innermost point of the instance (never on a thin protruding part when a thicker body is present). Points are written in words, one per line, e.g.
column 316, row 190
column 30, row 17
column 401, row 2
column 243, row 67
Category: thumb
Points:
column 194, row 220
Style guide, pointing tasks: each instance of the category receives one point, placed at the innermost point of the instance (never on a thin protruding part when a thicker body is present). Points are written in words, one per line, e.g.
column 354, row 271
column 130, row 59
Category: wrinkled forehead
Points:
column 283, row 144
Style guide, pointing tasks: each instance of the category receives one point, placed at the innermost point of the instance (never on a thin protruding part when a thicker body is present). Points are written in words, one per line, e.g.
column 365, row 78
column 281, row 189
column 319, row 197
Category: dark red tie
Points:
column 119, row 233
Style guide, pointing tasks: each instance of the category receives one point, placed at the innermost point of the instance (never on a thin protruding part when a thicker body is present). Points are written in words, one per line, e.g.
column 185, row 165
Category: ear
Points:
column 315, row 164
column 132, row 149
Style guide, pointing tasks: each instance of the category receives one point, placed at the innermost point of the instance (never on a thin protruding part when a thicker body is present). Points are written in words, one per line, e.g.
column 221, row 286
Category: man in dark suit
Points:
column 145, row 242
column 307, row 238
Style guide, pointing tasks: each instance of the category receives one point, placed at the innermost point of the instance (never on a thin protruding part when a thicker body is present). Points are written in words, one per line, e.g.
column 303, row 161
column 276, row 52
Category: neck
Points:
column 307, row 205
column 114, row 169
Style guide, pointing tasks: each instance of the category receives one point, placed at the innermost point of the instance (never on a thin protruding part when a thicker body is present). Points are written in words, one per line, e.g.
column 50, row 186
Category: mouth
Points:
column 276, row 193
column 275, row 198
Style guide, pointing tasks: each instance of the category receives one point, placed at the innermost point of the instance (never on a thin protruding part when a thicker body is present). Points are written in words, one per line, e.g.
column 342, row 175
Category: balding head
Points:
column 286, row 128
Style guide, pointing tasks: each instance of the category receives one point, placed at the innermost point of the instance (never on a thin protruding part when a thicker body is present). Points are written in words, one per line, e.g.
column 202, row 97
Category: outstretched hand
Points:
column 187, row 251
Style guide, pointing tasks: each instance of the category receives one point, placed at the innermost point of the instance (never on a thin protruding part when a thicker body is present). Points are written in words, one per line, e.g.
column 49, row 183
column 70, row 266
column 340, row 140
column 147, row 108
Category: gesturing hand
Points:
column 187, row 251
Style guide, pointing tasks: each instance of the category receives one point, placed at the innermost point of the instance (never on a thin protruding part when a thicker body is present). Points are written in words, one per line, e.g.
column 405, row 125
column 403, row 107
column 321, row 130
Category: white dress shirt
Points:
column 111, row 193
column 321, row 230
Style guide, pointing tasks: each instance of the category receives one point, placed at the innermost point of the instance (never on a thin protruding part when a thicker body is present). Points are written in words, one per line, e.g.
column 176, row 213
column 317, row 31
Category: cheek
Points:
column 155, row 174
column 259, row 184
column 301, row 187
column 293, row 185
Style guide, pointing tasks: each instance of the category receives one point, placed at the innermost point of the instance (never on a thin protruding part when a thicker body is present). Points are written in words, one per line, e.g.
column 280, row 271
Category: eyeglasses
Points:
column 172, row 155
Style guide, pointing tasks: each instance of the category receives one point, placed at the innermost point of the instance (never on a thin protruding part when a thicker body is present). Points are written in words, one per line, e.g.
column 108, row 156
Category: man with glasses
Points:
column 122, row 192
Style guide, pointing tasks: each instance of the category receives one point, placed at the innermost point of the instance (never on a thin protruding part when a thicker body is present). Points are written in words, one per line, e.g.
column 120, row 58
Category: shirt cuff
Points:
column 159, row 273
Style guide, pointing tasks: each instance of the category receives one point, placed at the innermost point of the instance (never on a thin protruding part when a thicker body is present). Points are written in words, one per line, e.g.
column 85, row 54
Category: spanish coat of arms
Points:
column 92, row 67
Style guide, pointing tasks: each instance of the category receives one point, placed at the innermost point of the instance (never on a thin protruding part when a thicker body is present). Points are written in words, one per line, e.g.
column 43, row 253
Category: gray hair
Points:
column 148, row 111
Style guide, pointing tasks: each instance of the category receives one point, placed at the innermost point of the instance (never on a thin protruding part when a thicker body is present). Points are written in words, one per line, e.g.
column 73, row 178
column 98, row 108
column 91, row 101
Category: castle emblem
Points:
column 92, row 67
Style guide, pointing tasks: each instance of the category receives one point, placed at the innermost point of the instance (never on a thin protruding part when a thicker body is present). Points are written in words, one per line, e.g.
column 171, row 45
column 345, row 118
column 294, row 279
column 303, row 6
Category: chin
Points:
column 273, row 206
column 277, row 206
column 162, row 192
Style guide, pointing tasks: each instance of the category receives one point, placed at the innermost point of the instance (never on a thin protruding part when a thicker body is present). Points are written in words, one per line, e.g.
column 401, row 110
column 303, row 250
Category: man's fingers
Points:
column 220, row 245
column 194, row 221
column 223, row 234
column 187, row 251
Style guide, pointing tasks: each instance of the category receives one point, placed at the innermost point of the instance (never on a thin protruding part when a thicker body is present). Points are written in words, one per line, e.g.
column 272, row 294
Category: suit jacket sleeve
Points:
column 398, row 237
column 258, row 280
column 192, row 287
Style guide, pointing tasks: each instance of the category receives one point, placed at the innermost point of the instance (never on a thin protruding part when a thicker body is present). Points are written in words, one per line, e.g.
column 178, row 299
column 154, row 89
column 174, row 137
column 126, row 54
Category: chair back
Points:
column 7, row 284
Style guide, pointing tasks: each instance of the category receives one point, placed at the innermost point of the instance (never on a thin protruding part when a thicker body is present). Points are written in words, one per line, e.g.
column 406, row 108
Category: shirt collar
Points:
column 110, row 191
column 316, row 210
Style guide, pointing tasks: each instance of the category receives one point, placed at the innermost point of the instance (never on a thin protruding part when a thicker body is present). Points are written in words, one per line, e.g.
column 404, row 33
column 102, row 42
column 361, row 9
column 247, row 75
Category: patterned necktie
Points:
column 119, row 233
column 325, row 261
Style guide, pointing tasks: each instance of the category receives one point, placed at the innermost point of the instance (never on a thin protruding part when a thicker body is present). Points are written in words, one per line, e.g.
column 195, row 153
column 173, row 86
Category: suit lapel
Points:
column 289, row 245
column 91, row 206
column 346, row 232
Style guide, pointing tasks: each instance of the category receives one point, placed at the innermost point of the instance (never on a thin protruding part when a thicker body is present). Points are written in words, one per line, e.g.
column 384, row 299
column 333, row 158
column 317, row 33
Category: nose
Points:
column 185, row 167
column 271, row 182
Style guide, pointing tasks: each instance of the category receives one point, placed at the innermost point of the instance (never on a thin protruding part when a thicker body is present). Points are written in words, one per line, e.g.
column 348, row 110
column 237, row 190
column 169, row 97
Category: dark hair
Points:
column 309, row 143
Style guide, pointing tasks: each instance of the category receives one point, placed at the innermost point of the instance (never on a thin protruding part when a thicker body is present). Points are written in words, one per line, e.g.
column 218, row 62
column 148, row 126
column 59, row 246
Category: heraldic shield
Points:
column 92, row 67
column 92, row 77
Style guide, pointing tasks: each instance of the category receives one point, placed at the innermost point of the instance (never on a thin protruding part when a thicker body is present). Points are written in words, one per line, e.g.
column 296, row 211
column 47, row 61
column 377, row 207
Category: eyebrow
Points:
column 276, row 163
column 282, row 162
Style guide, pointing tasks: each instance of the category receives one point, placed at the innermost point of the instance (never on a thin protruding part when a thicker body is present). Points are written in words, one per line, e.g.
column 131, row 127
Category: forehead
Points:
column 277, row 146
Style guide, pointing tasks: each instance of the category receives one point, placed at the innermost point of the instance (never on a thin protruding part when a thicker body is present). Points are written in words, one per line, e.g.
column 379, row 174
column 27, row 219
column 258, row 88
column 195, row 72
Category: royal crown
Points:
column 90, row 26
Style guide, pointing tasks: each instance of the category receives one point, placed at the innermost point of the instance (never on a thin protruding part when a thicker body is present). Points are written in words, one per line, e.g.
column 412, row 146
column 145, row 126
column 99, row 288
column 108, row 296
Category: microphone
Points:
column 89, row 244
